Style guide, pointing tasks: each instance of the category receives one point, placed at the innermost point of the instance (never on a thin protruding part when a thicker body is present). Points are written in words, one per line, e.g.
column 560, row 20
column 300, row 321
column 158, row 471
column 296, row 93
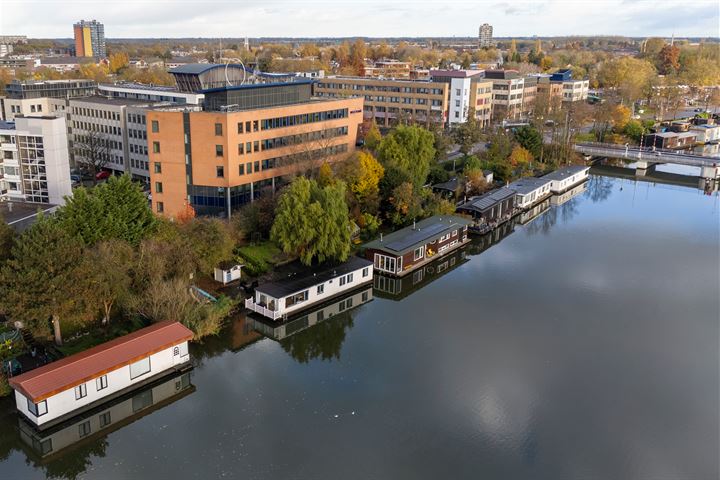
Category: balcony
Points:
column 256, row 307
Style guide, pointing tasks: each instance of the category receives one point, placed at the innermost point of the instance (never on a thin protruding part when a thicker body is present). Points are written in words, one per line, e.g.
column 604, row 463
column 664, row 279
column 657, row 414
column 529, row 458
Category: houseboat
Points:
column 669, row 140
column 55, row 392
column 565, row 178
column 529, row 191
column 412, row 247
column 105, row 419
column 279, row 330
column 281, row 299
column 489, row 209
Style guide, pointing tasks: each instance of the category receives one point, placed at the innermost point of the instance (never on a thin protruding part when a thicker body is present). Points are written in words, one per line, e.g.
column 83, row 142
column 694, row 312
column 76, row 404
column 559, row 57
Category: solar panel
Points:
column 416, row 236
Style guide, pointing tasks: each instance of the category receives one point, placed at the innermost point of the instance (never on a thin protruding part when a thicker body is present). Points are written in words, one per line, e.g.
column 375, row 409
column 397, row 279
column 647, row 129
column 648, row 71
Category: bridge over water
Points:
column 647, row 158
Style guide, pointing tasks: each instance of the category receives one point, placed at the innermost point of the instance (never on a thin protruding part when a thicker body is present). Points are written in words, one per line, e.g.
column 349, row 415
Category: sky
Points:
column 371, row 18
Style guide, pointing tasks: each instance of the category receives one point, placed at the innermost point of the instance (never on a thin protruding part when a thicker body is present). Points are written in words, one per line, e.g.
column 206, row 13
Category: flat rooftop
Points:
column 562, row 173
column 527, row 185
column 111, row 101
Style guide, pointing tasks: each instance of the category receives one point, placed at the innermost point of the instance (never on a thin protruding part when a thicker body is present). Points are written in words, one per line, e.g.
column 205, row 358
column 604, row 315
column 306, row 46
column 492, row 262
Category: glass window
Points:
column 218, row 150
column 158, row 167
column 220, row 171
column 247, row 126
column 101, row 382
column 255, row 126
column 218, row 129
column 80, row 391
column 104, row 419
column 155, row 126
column 240, row 127
column 365, row 272
column 139, row 368
column 160, row 207
column 156, row 147
column 321, row 289
column 248, row 167
column 241, row 148
column 158, row 187
column 37, row 409
column 419, row 253
column 84, row 429
column 241, row 169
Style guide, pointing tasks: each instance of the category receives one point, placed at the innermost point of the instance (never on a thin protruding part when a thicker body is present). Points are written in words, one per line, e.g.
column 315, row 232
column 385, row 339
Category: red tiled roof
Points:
column 71, row 371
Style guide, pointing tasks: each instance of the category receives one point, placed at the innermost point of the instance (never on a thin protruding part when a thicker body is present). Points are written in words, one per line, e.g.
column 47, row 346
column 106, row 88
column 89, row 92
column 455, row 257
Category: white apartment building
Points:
column 460, row 82
column 34, row 164
column 575, row 90
column 507, row 93
column 485, row 35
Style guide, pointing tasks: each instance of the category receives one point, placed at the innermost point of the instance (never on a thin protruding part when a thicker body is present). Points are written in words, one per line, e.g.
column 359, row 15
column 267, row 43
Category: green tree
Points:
column 468, row 133
column 116, row 209
column 312, row 221
column 373, row 137
column 629, row 77
column 7, row 239
column 409, row 149
column 406, row 204
column 211, row 242
column 325, row 175
column 109, row 266
column 634, row 130
column 530, row 139
column 520, row 158
column 43, row 280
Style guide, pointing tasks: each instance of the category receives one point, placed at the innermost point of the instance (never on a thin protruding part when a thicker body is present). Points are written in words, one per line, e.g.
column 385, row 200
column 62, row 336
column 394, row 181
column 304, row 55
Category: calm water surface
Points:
column 580, row 345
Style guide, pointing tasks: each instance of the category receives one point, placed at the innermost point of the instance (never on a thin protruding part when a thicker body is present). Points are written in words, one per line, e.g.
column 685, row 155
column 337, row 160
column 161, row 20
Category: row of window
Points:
column 107, row 129
column 302, row 119
column 278, row 142
column 95, row 113
column 383, row 88
column 136, row 118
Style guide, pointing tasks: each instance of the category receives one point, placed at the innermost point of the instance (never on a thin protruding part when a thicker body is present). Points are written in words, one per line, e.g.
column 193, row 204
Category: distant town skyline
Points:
column 322, row 18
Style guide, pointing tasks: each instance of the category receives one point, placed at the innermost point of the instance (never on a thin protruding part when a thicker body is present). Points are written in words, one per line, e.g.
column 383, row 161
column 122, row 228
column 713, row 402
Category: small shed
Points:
column 227, row 272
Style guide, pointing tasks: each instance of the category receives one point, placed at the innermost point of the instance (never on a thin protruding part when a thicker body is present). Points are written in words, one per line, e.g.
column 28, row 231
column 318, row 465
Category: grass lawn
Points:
column 260, row 258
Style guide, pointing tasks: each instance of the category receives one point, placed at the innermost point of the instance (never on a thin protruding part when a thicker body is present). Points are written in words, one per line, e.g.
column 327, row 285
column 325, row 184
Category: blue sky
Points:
column 333, row 18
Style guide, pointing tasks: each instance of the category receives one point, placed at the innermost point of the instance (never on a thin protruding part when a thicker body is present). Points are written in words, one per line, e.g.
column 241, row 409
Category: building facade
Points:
column 461, row 86
column 481, row 101
column 89, row 39
column 485, row 36
column 246, row 140
column 389, row 101
column 507, row 96
column 388, row 69
column 34, row 165
column 42, row 98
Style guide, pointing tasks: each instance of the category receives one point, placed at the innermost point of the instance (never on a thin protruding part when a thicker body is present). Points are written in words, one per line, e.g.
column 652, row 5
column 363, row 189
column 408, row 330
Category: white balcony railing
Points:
column 266, row 312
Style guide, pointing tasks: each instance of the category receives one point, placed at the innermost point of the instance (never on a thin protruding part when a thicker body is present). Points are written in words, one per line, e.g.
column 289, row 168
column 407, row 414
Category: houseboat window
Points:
column 445, row 237
column 104, row 419
column 385, row 263
column 454, row 233
column 419, row 253
column 349, row 302
column 366, row 272
column 176, row 351
column 139, row 368
column 84, row 429
column 101, row 382
column 295, row 299
column 321, row 289
column 81, row 391
column 349, row 278
column 37, row 409
column 365, row 296
column 342, row 281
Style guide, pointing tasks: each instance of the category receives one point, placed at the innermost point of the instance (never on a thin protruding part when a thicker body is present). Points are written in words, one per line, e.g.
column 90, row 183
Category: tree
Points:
column 325, row 175
column 7, row 239
column 652, row 47
column 118, row 61
column 257, row 217
column 634, row 130
column 109, row 268
column 362, row 173
column 43, row 279
column 669, row 60
column 358, row 52
column 93, row 149
column 530, row 139
column 116, row 209
column 467, row 134
column 475, row 183
column 629, row 77
column 520, row 158
column 211, row 242
column 312, row 221
column 410, row 149
column 512, row 51
column 406, row 204
column 373, row 137
column 620, row 115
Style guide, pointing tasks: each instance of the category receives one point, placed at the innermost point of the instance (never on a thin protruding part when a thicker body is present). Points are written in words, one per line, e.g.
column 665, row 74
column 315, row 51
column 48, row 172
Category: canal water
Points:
column 578, row 344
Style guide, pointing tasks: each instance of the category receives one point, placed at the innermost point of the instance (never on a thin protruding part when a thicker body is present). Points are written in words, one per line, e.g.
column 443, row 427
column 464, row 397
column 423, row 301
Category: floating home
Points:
column 529, row 191
column 489, row 209
column 106, row 418
column 565, row 178
column 412, row 247
column 283, row 298
column 55, row 392
column 311, row 317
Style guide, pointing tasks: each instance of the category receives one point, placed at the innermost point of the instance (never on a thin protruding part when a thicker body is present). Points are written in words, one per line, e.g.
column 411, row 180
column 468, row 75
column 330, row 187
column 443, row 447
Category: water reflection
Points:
column 599, row 187
column 318, row 333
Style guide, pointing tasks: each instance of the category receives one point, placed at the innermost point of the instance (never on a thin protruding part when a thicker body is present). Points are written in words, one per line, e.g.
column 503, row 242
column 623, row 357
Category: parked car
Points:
column 76, row 180
column 102, row 175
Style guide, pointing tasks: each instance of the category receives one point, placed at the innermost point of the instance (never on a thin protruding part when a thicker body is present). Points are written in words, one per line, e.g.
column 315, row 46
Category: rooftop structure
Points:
column 50, row 88
column 196, row 77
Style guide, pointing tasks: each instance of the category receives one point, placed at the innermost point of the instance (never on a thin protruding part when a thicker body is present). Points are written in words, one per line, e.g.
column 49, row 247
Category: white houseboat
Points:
column 565, row 178
column 283, row 298
column 529, row 191
column 59, row 390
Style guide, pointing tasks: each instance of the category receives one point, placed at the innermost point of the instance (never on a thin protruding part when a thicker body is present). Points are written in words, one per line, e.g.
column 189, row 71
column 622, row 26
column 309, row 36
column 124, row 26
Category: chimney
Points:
column 380, row 237
column 413, row 224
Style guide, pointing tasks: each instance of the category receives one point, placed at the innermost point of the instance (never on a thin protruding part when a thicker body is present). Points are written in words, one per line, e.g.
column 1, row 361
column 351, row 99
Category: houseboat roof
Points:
column 527, row 185
column 488, row 200
column 311, row 277
column 55, row 377
column 409, row 238
column 565, row 172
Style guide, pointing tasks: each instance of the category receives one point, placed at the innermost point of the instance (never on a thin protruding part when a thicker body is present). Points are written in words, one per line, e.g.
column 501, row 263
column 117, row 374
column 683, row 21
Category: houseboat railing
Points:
column 266, row 312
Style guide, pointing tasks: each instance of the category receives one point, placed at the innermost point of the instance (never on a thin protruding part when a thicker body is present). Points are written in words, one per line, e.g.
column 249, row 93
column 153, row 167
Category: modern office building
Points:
column 247, row 139
column 40, row 98
column 195, row 77
column 148, row 93
column 481, row 100
column 89, row 39
column 530, row 85
column 507, row 94
column 485, row 35
column 388, row 68
column 574, row 90
column 461, row 87
column 34, row 165
column 389, row 101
